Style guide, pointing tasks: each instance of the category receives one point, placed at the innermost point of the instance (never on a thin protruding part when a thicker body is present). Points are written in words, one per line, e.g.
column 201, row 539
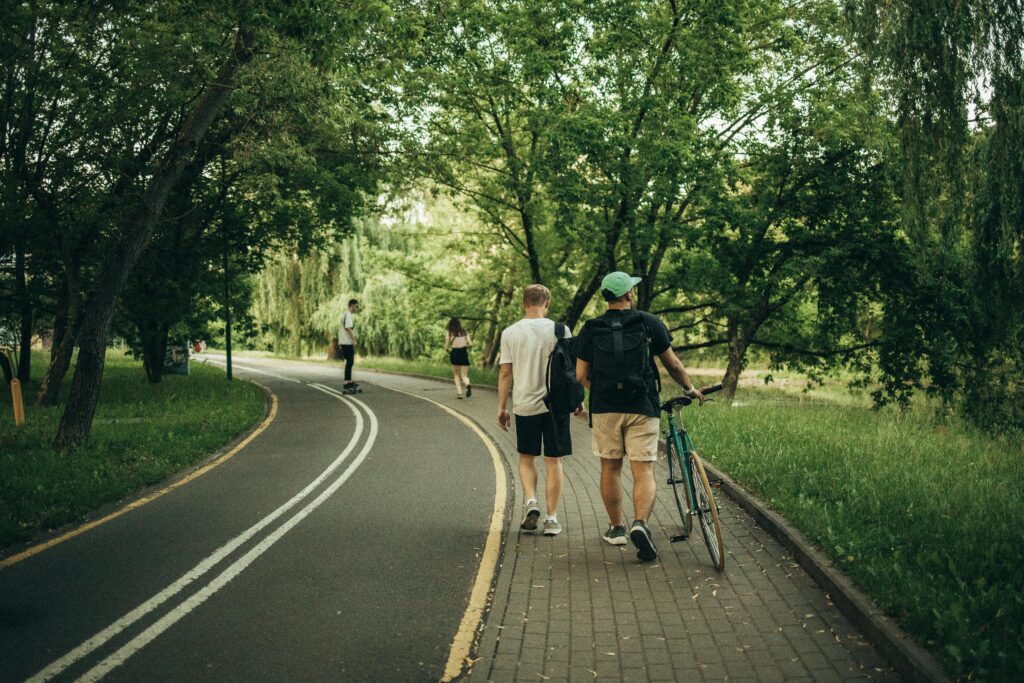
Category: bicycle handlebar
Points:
column 681, row 401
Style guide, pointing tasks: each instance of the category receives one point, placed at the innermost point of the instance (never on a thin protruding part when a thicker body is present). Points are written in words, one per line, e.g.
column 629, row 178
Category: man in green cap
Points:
column 615, row 359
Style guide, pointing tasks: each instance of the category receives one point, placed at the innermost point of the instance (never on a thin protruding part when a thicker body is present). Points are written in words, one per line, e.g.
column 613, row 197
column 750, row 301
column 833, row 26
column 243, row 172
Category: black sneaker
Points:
column 469, row 391
column 530, row 516
column 616, row 535
column 641, row 537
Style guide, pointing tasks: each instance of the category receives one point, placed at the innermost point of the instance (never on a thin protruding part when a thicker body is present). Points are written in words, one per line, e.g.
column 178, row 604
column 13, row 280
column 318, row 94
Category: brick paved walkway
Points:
column 575, row 608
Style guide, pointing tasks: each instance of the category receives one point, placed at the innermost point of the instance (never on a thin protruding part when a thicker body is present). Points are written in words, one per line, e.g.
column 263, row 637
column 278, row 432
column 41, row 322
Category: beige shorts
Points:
column 618, row 435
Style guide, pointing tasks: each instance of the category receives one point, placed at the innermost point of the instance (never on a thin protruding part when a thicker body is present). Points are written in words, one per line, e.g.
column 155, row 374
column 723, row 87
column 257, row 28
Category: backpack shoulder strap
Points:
column 551, row 356
column 559, row 330
column 617, row 340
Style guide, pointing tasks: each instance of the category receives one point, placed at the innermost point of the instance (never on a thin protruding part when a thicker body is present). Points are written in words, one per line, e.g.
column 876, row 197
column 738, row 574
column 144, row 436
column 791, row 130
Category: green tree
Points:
column 954, row 76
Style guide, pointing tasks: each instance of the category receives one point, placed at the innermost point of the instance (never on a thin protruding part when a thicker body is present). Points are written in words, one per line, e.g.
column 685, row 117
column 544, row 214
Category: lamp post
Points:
column 227, row 306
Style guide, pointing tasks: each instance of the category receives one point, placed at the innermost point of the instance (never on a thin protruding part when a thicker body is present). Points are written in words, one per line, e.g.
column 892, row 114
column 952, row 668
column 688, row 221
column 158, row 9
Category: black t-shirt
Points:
column 660, row 341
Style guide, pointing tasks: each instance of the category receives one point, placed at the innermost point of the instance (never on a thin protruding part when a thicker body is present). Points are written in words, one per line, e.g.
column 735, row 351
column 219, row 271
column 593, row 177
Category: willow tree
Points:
column 955, row 72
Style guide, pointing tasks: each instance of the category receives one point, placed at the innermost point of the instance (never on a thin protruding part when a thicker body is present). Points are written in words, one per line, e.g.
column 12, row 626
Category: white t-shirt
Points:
column 527, row 345
column 459, row 342
column 347, row 323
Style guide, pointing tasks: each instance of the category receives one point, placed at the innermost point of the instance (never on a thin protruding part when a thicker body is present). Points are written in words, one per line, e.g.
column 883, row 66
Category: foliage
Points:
column 954, row 74
column 421, row 262
column 143, row 434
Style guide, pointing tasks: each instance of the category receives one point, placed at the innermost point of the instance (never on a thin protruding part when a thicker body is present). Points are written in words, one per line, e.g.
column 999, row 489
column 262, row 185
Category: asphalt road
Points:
column 340, row 544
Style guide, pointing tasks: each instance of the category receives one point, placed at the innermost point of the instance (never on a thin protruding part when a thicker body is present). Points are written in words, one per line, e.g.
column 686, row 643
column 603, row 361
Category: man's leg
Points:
column 350, row 353
column 553, row 484
column 643, row 489
column 528, row 475
column 611, row 490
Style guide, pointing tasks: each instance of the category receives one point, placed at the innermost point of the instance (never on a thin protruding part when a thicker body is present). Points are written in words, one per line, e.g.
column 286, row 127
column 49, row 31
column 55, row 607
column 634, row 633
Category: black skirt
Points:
column 459, row 356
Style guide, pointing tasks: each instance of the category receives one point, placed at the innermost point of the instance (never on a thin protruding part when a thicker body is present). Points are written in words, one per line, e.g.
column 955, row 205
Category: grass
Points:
column 925, row 515
column 142, row 433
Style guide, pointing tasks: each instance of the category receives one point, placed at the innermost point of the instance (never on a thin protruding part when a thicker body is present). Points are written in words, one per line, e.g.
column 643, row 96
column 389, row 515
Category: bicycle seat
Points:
column 679, row 401
column 683, row 401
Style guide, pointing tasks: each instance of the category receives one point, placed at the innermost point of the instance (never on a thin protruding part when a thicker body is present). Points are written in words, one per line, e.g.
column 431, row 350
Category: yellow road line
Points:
column 36, row 549
column 462, row 643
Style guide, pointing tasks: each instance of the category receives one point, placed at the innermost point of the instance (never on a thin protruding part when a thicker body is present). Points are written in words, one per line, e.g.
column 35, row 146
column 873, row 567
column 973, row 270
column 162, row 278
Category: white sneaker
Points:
column 552, row 527
column 530, row 516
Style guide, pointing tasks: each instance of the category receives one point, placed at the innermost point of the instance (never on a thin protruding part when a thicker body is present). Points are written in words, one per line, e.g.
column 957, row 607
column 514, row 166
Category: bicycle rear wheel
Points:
column 707, row 513
column 680, row 490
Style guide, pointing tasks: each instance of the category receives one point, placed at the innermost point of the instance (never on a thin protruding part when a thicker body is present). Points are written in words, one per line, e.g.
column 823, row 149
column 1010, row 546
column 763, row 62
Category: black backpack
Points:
column 564, row 392
column 621, row 368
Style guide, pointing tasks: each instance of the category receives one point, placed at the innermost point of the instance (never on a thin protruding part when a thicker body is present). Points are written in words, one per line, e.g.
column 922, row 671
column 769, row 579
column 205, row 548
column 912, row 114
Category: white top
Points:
column 347, row 323
column 527, row 345
column 460, row 342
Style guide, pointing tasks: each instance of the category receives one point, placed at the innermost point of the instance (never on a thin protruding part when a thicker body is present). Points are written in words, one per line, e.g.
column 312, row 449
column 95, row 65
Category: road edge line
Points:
column 240, row 443
column 470, row 626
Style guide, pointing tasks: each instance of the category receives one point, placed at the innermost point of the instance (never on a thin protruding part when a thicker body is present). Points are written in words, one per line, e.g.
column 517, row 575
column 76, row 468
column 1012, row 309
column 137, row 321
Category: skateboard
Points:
column 351, row 388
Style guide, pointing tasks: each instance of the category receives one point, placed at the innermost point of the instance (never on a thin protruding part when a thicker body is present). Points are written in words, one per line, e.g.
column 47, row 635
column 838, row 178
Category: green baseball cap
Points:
column 618, row 283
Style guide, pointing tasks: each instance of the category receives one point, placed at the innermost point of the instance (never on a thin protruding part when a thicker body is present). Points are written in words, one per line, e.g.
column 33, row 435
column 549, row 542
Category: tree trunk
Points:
column 154, row 351
column 76, row 422
column 738, row 343
column 582, row 297
column 25, row 304
column 531, row 247
column 49, row 390
column 494, row 334
column 64, row 344
column 61, row 321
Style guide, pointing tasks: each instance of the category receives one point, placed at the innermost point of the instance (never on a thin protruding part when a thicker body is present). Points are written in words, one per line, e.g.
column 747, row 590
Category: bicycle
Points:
column 690, row 487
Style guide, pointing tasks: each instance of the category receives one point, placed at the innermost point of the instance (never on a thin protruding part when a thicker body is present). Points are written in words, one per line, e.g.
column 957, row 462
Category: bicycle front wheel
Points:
column 707, row 513
column 680, row 489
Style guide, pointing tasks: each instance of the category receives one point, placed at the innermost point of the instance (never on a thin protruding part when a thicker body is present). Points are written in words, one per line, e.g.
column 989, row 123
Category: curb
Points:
column 909, row 659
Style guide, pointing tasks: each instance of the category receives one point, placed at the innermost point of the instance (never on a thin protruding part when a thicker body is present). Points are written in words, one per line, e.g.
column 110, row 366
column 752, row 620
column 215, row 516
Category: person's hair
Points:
column 352, row 301
column 536, row 295
column 455, row 328
column 610, row 296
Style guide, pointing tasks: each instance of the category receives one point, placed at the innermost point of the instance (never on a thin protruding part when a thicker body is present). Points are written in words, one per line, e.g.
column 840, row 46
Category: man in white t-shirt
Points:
column 525, row 347
column 347, row 339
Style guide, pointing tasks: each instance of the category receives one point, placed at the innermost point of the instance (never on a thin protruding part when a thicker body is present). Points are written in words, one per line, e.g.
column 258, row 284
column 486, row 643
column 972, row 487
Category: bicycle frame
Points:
column 680, row 442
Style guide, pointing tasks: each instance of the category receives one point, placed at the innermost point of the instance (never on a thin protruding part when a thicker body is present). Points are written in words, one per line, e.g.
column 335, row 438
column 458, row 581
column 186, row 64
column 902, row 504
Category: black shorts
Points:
column 459, row 356
column 550, row 430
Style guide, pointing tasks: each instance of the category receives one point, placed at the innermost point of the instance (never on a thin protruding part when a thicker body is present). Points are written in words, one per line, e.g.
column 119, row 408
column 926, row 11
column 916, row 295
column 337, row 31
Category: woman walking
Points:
column 457, row 343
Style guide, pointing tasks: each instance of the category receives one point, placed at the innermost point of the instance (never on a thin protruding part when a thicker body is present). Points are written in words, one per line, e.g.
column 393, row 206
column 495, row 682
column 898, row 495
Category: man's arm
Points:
column 504, row 387
column 583, row 372
column 678, row 372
